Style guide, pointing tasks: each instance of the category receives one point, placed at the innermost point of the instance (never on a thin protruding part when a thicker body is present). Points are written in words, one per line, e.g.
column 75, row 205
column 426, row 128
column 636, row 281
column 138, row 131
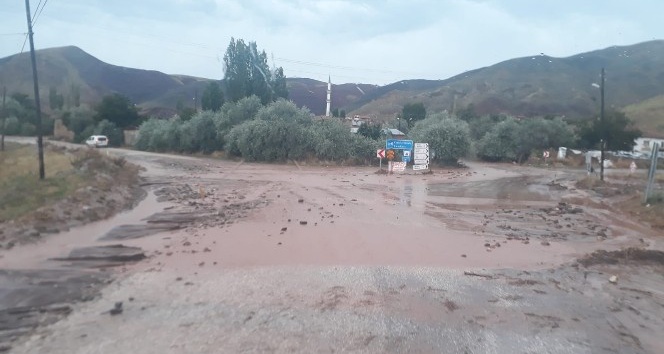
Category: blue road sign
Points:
column 394, row 144
column 405, row 159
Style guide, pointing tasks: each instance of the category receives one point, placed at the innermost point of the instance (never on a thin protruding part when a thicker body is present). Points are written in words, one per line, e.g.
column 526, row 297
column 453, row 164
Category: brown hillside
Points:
column 537, row 85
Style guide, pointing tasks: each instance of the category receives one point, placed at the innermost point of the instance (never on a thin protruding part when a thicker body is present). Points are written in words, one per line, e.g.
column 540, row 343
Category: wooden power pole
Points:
column 602, row 129
column 40, row 141
column 3, row 119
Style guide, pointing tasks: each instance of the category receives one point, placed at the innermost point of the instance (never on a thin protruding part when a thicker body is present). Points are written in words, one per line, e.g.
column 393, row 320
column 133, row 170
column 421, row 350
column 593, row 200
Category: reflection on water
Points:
column 407, row 195
column 519, row 189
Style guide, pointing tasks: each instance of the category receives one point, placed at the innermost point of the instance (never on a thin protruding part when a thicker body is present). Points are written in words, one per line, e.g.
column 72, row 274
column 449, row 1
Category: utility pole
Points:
column 40, row 141
column 603, row 128
column 2, row 122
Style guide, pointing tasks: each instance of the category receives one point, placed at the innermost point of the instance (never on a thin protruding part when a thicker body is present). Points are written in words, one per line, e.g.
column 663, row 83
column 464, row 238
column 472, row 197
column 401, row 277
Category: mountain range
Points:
column 537, row 85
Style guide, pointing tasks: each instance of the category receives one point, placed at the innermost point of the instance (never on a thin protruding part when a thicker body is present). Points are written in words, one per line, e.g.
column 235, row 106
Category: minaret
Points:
column 328, row 112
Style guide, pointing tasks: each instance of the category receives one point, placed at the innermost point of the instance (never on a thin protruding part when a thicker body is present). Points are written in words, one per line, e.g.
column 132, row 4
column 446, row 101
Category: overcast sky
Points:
column 365, row 41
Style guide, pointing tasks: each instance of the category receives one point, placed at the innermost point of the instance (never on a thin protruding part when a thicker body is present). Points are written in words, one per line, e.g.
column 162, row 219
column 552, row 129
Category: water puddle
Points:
column 513, row 189
column 59, row 245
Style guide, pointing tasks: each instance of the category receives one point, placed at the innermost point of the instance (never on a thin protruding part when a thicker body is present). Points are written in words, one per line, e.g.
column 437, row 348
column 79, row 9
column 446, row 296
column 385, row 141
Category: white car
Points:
column 97, row 141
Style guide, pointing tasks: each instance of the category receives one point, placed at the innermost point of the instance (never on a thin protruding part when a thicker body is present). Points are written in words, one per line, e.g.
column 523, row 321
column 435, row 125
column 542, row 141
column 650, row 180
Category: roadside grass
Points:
column 21, row 191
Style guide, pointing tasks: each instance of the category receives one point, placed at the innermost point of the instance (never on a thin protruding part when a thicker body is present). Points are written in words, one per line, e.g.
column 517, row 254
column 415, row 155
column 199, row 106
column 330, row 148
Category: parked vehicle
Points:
column 97, row 141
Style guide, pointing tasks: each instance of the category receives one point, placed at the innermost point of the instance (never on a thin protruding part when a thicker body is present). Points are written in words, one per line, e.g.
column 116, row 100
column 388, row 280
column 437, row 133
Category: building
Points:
column 644, row 145
column 391, row 133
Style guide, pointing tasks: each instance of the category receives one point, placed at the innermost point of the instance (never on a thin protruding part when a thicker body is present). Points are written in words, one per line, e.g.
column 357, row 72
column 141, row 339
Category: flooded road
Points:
column 284, row 258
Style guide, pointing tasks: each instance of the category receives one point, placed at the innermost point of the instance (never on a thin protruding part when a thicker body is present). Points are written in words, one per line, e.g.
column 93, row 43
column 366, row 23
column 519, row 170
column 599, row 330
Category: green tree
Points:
column 119, row 110
column 199, row 134
column 501, row 143
column 279, row 131
column 247, row 73
column 55, row 100
column 370, row 130
column 280, row 88
column 186, row 113
column 74, row 97
column 448, row 137
column 513, row 140
column 342, row 113
column 413, row 112
column 467, row 114
column 335, row 112
column 77, row 119
column 617, row 129
column 213, row 97
column 243, row 110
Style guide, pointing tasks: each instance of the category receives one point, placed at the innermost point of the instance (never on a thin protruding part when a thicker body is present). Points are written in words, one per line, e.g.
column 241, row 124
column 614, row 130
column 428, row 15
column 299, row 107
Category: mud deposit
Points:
column 282, row 258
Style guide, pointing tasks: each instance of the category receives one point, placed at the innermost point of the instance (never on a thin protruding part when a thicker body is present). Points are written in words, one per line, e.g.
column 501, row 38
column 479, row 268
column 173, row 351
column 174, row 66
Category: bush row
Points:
column 276, row 132
column 280, row 131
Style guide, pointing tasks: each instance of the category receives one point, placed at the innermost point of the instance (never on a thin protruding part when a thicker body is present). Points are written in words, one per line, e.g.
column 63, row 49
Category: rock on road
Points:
column 280, row 258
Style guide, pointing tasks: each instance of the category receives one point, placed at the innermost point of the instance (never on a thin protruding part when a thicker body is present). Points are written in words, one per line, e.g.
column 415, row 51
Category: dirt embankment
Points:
column 97, row 187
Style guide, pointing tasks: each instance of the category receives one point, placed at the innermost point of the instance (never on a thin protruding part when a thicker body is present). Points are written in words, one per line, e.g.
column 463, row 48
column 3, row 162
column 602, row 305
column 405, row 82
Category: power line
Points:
column 24, row 41
column 34, row 21
column 35, row 14
column 27, row 34
column 293, row 61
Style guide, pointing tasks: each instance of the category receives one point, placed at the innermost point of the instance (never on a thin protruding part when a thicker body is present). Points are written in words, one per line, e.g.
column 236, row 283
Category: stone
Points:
column 117, row 309
column 613, row 279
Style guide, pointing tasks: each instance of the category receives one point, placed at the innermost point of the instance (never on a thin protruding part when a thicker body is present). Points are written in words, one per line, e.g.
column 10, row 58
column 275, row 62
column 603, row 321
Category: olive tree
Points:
column 448, row 137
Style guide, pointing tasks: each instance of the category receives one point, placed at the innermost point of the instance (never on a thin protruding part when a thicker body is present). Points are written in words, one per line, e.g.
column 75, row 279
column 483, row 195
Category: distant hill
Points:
column 70, row 68
column 313, row 94
column 537, row 85
column 529, row 86
column 649, row 116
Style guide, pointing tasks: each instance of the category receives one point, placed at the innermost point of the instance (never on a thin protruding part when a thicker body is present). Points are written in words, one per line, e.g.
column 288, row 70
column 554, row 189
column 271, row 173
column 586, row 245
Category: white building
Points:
column 644, row 145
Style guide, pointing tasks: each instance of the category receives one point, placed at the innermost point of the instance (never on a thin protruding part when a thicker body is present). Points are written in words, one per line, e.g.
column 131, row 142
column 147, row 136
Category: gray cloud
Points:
column 353, row 41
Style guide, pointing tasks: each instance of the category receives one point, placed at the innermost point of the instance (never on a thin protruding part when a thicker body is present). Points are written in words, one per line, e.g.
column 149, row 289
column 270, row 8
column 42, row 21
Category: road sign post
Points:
column 395, row 144
column 421, row 157
column 380, row 154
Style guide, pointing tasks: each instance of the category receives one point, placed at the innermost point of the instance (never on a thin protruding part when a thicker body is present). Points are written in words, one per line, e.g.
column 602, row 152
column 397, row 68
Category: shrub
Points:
column 28, row 129
column 159, row 135
column 260, row 140
column 242, row 110
column 199, row 134
column 501, row 143
column 77, row 120
column 332, row 140
column 283, row 110
column 448, row 137
column 512, row 140
column 12, row 126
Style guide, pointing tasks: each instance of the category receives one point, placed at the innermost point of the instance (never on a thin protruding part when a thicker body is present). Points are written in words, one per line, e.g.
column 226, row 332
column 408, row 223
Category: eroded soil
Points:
column 284, row 258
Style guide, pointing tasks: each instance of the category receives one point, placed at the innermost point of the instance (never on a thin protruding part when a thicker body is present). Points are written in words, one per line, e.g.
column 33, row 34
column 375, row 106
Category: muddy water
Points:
column 504, row 189
column 39, row 254
column 358, row 219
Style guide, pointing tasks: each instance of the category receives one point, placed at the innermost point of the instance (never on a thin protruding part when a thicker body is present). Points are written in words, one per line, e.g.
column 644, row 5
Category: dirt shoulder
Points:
column 82, row 186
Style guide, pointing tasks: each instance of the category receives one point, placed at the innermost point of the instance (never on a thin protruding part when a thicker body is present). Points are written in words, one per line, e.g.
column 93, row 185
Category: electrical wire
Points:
column 34, row 16
column 34, row 21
